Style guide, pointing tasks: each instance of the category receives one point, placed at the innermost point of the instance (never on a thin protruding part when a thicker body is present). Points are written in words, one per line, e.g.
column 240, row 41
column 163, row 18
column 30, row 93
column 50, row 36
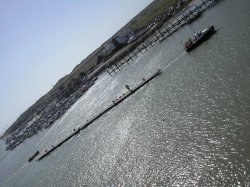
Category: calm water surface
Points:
column 188, row 127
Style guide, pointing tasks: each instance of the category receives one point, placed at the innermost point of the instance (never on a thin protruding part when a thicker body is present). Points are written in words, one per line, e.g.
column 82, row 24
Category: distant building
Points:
column 109, row 48
column 66, row 91
column 124, row 36
column 112, row 46
column 115, row 44
column 121, row 39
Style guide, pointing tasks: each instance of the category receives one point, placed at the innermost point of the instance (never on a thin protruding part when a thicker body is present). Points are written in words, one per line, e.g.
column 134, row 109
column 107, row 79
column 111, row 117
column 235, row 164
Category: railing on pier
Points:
column 105, row 110
column 159, row 36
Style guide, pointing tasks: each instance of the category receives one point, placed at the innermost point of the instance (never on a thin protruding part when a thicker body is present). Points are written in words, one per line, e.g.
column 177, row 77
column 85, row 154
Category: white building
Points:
column 108, row 49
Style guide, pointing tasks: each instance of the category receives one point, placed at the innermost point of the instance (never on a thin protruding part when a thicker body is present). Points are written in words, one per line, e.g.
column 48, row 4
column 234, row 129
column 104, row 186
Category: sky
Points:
column 43, row 40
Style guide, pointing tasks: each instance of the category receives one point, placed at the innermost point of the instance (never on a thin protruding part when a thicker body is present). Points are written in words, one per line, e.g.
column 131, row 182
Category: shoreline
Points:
column 122, row 53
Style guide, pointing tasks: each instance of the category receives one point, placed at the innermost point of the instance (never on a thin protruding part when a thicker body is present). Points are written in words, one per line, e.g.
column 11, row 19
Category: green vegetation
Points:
column 87, row 66
column 156, row 9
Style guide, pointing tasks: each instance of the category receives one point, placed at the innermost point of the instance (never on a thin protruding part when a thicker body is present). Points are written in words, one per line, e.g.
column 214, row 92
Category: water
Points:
column 188, row 127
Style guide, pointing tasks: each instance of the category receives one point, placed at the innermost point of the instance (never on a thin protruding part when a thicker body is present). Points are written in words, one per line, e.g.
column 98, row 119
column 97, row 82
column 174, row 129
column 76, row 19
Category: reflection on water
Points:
column 188, row 127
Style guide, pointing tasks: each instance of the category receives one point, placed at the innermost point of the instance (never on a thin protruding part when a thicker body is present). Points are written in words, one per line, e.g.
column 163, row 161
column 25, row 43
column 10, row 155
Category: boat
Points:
column 33, row 156
column 199, row 37
column 194, row 17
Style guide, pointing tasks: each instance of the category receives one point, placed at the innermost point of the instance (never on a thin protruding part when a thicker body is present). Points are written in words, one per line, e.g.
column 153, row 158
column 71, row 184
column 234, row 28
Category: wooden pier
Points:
column 115, row 103
column 159, row 35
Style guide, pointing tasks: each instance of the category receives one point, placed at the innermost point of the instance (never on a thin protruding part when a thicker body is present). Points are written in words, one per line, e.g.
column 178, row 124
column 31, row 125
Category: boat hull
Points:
column 206, row 36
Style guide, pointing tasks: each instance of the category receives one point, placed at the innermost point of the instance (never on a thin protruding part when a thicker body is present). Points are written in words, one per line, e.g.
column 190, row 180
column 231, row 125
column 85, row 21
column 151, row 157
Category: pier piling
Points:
column 108, row 108
column 167, row 30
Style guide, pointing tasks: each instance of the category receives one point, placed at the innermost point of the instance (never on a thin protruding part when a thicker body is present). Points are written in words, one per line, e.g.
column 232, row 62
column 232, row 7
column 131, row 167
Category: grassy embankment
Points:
column 141, row 20
column 158, row 8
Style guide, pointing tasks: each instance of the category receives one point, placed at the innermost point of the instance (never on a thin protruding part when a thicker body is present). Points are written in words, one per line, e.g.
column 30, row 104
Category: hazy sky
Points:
column 43, row 40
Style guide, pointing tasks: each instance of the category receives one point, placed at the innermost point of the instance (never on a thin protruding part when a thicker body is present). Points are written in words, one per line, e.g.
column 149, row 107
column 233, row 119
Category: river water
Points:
column 190, row 126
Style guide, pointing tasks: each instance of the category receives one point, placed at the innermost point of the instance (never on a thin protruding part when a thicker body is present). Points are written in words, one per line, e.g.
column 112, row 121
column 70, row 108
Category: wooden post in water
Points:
column 190, row 12
column 108, row 72
column 117, row 67
column 135, row 54
column 197, row 8
column 150, row 43
column 111, row 67
column 144, row 46
column 178, row 21
column 157, row 37
column 203, row 3
column 129, row 57
column 185, row 16
column 168, row 31
column 173, row 26
column 140, row 50
column 124, row 58
column 127, row 60
column 162, row 35
column 121, row 63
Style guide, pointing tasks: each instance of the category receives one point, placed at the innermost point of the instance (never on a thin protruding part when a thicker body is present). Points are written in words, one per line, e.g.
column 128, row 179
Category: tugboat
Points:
column 33, row 156
column 199, row 37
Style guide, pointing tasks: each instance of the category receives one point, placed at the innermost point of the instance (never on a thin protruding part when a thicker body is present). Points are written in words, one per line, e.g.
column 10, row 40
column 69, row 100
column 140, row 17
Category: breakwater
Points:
column 94, row 118
column 189, row 126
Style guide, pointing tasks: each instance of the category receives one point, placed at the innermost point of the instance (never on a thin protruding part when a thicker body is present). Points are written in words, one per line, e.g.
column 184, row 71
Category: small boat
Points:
column 199, row 37
column 191, row 19
column 33, row 156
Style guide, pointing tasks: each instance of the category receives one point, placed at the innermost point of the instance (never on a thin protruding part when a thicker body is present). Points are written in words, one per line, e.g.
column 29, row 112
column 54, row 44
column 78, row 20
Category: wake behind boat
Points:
column 199, row 37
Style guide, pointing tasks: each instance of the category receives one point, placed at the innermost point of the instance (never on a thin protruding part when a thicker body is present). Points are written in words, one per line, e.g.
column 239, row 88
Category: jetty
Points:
column 33, row 156
column 108, row 108
column 161, row 34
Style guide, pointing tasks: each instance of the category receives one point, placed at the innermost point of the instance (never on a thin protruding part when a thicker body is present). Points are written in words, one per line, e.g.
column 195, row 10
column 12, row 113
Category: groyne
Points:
column 94, row 118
